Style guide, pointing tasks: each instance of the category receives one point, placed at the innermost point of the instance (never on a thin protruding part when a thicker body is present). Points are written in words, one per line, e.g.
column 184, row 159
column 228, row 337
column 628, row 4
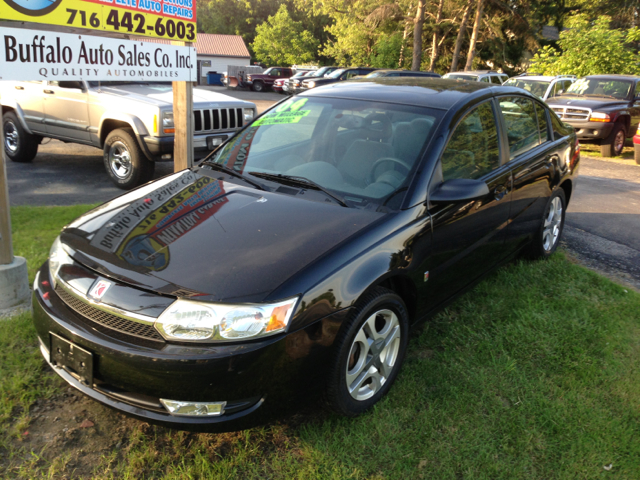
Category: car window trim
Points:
column 504, row 125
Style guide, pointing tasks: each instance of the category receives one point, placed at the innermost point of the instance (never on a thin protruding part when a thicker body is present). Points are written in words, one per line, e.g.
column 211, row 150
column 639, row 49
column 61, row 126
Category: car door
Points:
column 534, row 155
column 66, row 110
column 468, row 236
column 29, row 96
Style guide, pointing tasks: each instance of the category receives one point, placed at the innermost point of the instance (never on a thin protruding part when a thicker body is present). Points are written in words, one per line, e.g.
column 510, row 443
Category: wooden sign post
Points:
column 183, row 121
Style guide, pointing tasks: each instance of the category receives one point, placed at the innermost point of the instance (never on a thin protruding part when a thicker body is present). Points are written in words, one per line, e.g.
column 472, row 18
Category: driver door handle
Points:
column 50, row 92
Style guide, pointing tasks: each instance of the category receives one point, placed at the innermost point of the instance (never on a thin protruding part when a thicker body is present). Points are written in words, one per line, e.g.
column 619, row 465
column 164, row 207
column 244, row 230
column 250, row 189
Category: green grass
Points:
column 593, row 150
column 533, row 374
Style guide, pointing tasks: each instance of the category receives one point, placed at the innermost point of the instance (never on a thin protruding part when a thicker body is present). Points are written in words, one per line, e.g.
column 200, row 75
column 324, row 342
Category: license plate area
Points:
column 215, row 142
column 74, row 359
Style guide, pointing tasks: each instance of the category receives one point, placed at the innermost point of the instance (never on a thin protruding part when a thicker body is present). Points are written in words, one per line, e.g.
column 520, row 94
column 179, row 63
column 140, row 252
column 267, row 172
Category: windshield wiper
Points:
column 295, row 180
column 234, row 173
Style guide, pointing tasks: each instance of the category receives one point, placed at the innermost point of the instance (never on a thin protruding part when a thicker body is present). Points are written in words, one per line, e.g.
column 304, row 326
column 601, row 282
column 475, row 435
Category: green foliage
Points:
column 282, row 41
column 589, row 48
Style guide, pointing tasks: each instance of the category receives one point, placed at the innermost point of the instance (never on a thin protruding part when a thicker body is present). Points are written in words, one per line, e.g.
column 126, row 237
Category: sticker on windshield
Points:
column 289, row 112
column 280, row 118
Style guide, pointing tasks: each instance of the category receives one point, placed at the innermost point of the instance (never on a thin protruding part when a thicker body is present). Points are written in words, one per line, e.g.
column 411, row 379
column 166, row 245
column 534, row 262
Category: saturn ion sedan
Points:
column 291, row 264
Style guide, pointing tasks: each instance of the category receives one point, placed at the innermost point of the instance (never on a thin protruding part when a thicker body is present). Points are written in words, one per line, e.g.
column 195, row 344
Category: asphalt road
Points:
column 602, row 223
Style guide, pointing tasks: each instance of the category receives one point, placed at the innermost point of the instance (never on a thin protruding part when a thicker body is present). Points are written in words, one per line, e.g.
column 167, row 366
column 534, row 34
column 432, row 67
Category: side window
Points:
column 275, row 72
column 559, row 129
column 351, row 74
column 522, row 124
column 542, row 122
column 485, row 79
column 637, row 91
column 496, row 79
column 503, row 78
column 473, row 148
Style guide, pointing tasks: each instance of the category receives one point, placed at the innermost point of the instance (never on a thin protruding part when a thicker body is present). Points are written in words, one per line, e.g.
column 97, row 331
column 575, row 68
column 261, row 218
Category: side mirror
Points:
column 459, row 190
column 71, row 84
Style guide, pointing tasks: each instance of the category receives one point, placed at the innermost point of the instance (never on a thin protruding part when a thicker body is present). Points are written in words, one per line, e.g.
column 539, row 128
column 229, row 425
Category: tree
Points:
column 282, row 41
column 589, row 48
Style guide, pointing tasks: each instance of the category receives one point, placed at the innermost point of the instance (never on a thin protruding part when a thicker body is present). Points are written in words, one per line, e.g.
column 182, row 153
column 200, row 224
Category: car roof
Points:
column 614, row 75
column 429, row 92
column 546, row 78
column 477, row 72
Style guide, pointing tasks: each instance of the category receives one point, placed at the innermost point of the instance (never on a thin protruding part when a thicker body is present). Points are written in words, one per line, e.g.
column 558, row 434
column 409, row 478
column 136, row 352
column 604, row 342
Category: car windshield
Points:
column 336, row 73
column 457, row 76
column 600, row 87
column 362, row 151
column 537, row 87
column 267, row 71
column 321, row 71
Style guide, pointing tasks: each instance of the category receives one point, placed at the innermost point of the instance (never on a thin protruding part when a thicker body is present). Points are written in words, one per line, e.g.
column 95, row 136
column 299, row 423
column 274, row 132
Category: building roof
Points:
column 210, row 44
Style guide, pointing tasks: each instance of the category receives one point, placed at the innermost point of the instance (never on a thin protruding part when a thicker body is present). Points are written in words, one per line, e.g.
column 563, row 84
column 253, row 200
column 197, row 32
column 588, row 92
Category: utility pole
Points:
column 14, row 282
column 183, row 121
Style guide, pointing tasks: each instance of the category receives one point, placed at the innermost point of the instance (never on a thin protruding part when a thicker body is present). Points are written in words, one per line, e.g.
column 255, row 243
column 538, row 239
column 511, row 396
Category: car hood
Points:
column 324, row 80
column 161, row 95
column 193, row 235
column 590, row 102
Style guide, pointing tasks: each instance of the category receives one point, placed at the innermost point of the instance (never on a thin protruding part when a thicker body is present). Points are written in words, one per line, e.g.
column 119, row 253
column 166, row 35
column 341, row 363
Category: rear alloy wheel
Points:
column 548, row 236
column 19, row 145
column 370, row 351
column 124, row 161
column 258, row 87
column 615, row 143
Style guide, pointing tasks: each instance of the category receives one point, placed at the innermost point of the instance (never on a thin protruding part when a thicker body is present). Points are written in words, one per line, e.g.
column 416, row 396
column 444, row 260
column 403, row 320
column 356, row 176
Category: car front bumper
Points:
column 591, row 130
column 259, row 380
column 161, row 148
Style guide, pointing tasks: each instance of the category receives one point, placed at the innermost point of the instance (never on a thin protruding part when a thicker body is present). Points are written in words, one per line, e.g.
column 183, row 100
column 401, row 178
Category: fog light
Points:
column 215, row 141
column 193, row 409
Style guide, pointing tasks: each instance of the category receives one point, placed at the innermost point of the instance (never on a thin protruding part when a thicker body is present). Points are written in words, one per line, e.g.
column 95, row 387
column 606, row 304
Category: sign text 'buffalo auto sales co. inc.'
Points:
column 171, row 19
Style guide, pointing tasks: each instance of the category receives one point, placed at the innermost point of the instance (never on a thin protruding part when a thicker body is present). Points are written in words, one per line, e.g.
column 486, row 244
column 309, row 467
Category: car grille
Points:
column 109, row 320
column 215, row 119
column 572, row 113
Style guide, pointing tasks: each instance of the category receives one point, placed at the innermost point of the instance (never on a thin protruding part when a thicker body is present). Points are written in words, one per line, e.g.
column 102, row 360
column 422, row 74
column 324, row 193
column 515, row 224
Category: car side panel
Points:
column 66, row 112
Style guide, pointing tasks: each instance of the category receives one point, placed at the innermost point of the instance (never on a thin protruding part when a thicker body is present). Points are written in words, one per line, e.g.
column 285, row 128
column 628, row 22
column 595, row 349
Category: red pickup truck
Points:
column 261, row 82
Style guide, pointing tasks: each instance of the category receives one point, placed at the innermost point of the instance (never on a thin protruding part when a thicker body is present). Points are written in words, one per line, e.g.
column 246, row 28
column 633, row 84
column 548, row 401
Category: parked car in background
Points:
column 400, row 73
column 486, row 76
column 294, row 85
column 339, row 75
column 131, row 122
column 542, row 86
column 282, row 84
column 260, row 82
column 292, row 263
column 604, row 109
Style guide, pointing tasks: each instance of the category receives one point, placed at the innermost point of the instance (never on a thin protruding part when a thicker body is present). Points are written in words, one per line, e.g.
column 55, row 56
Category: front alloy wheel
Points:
column 373, row 354
column 552, row 224
column 369, row 351
column 120, row 160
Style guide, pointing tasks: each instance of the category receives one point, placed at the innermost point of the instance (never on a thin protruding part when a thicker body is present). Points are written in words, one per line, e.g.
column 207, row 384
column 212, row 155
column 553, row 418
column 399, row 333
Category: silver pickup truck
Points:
column 131, row 122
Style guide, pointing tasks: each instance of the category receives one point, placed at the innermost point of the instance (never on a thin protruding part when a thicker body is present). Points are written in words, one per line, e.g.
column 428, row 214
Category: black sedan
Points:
column 339, row 75
column 291, row 263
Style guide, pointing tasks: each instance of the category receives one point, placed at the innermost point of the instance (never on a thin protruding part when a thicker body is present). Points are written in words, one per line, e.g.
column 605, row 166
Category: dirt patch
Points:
column 69, row 433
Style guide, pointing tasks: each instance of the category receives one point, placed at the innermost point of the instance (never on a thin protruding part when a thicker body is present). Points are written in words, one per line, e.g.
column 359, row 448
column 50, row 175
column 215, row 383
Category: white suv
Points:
column 542, row 86
column 486, row 76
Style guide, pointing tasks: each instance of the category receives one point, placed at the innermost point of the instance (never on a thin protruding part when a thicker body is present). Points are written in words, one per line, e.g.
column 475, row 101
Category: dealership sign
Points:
column 172, row 19
column 38, row 55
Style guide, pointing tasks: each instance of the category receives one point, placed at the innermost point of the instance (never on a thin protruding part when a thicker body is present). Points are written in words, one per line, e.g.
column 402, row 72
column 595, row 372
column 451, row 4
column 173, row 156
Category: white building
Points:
column 214, row 52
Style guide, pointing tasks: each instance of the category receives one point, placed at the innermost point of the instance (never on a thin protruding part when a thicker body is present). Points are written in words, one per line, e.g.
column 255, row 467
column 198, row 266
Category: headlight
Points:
column 600, row 117
column 167, row 122
column 189, row 321
column 57, row 257
column 248, row 114
column 311, row 84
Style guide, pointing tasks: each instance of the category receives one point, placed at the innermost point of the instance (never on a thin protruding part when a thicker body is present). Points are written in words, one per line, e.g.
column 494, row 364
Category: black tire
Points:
column 349, row 354
column 124, row 161
column 540, row 248
column 636, row 153
column 258, row 87
column 612, row 146
column 19, row 145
